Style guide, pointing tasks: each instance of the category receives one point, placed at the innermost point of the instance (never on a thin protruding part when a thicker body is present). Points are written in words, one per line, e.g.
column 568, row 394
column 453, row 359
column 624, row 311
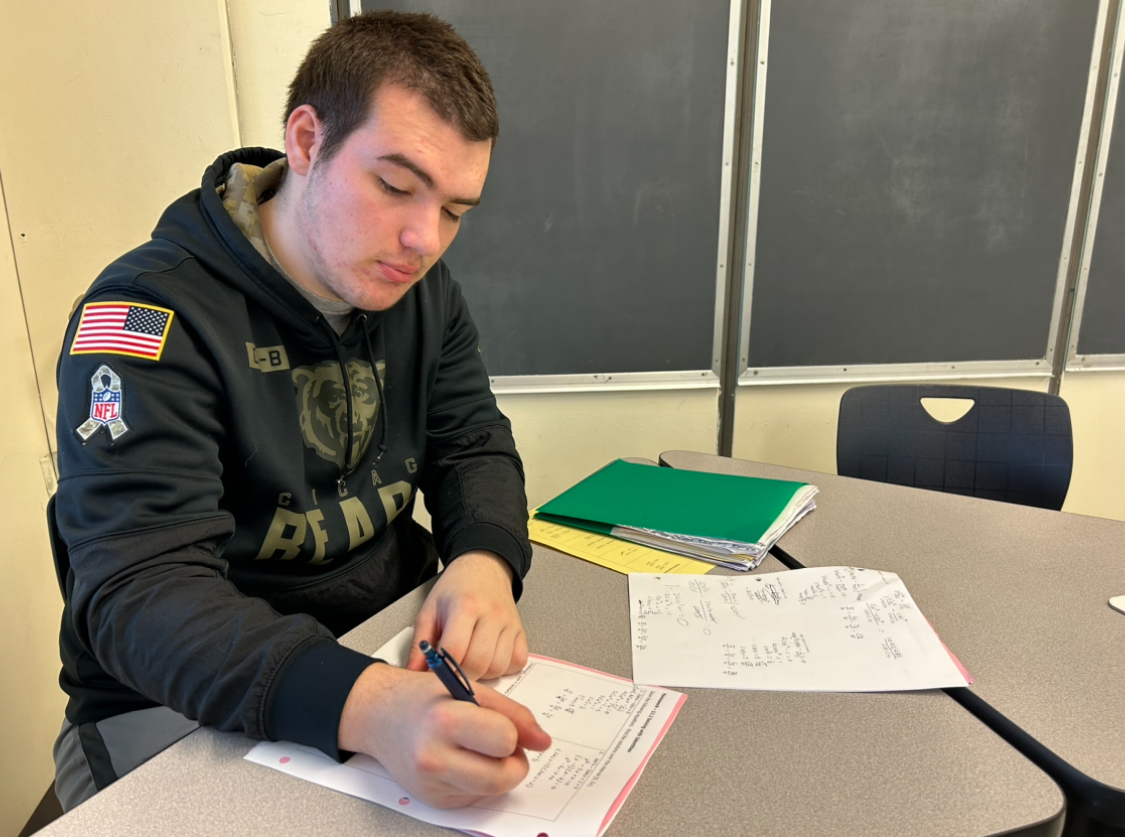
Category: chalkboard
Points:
column 595, row 247
column 1102, row 330
column 916, row 171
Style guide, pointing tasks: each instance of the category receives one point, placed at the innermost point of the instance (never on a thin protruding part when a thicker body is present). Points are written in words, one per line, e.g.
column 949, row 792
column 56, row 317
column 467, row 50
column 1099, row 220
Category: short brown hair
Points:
column 351, row 60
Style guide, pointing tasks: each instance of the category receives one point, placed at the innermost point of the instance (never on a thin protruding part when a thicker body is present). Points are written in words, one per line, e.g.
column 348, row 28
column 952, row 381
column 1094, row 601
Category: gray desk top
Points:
column 733, row 763
column 1019, row 594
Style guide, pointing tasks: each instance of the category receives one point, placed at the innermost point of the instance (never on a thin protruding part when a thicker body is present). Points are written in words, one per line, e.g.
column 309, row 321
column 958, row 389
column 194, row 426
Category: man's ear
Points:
column 304, row 134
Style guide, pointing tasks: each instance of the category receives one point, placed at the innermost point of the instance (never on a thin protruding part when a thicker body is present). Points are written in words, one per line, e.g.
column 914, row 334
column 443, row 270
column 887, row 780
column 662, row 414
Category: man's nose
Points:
column 422, row 233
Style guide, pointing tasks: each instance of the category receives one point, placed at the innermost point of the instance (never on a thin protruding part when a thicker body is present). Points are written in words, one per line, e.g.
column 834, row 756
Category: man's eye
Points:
column 389, row 189
column 453, row 216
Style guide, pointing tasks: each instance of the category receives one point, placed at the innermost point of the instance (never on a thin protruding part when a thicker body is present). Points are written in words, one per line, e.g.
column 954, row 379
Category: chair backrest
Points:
column 58, row 547
column 1012, row 445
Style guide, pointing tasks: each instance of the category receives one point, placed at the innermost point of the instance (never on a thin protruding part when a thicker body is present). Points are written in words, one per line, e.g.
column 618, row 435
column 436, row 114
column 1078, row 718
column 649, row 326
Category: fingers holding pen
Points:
column 470, row 752
column 529, row 734
column 470, row 773
column 443, row 751
column 502, row 729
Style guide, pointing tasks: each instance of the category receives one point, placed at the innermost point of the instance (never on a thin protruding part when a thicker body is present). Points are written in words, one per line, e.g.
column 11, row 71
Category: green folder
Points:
column 671, row 500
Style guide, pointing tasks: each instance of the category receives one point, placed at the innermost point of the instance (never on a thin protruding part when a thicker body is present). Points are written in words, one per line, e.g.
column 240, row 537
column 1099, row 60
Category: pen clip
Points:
column 452, row 663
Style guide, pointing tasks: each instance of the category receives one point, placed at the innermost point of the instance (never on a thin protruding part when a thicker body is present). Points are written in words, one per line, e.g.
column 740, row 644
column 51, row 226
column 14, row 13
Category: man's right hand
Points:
column 447, row 753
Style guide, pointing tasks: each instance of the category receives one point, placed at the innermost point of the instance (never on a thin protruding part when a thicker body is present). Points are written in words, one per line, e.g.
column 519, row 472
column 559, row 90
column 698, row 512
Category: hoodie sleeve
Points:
column 140, row 431
column 473, row 480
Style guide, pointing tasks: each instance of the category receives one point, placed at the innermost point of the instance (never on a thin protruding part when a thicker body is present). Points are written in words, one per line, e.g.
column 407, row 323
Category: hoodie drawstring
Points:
column 349, row 462
column 379, row 387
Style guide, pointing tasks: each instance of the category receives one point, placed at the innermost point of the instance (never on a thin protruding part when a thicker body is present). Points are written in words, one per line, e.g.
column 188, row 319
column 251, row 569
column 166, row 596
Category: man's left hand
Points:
column 470, row 613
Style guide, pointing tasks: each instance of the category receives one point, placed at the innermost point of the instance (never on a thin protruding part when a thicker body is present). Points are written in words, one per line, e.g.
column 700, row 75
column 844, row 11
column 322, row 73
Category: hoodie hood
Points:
column 200, row 224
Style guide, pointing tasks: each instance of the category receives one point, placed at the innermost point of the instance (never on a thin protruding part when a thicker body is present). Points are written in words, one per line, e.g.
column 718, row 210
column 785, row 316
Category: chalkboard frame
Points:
column 1076, row 362
column 724, row 274
column 1030, row 367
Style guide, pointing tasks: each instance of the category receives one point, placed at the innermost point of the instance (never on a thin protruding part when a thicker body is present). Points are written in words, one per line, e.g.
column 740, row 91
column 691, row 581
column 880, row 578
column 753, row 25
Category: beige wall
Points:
column 30, row 701
column 109, row 111
column 1097, row 413
column 269, row 40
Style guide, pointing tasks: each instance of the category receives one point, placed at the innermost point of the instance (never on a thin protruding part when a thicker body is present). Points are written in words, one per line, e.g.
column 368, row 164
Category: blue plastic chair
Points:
column 1012, row 445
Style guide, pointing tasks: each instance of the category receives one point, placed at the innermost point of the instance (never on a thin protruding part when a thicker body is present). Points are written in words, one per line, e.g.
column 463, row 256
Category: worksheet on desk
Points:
column 603, row 731
column 828, row 629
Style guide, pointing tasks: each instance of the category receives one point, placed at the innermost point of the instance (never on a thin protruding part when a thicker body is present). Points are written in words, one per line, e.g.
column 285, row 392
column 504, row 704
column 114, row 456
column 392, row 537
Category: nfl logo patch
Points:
column 105, row 406
column 106, row 401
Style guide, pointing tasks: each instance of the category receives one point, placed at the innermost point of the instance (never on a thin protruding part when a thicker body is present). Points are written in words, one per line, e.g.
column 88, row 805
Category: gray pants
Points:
column 90, row 757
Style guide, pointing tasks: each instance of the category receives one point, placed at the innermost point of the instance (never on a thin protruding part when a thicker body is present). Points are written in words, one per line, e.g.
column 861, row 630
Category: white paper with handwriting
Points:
column 603, row 730
column 827, row 629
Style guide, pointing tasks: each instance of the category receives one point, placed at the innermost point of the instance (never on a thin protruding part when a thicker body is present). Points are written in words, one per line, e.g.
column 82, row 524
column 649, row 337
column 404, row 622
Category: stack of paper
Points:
column 612, row 553
column 725, row 519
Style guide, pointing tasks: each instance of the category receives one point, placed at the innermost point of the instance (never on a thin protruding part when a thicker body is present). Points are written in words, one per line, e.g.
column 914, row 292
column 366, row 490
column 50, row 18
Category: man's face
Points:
column 379, row 213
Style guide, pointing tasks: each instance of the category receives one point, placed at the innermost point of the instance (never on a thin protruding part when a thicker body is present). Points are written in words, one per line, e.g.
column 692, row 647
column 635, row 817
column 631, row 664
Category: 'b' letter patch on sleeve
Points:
column 122, row 328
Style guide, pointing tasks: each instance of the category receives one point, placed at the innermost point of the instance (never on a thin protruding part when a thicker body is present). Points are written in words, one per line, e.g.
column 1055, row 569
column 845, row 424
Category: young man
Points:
column 247, row 404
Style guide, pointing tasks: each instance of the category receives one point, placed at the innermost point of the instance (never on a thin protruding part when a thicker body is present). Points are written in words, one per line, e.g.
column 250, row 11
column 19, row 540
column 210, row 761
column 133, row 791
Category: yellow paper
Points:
column 615, row 554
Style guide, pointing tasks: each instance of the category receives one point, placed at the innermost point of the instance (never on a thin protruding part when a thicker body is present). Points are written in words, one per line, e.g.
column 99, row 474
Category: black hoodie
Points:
column 225, row 520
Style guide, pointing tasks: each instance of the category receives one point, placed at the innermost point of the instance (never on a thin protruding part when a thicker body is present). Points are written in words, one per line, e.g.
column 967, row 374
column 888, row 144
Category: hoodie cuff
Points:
column 307, row 698
column 494, row 539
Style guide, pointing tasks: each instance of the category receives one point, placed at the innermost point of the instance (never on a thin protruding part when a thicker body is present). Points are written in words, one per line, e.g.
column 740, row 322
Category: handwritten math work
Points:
column 829, row 629
column 603, row 730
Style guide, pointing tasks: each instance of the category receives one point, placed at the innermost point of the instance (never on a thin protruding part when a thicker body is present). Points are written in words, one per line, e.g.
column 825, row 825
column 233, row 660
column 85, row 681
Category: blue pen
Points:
column 449, row 673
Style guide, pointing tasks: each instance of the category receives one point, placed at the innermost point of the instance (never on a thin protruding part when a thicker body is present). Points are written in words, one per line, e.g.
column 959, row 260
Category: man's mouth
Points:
column 401, row 273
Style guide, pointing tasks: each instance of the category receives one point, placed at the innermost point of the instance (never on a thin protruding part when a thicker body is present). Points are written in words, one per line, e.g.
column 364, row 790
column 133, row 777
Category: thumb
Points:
column 531, row 735
column 425, row 628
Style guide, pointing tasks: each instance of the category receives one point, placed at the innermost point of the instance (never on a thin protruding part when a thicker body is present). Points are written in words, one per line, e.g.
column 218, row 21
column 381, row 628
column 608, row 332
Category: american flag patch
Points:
column 122, row 328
